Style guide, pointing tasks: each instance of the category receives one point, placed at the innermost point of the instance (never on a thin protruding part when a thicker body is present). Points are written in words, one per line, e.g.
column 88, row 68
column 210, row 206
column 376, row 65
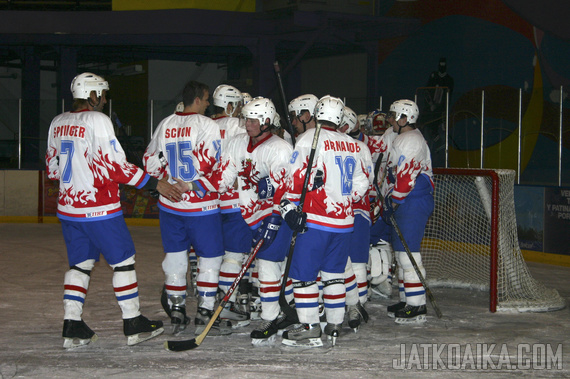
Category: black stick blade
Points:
column 181, row 345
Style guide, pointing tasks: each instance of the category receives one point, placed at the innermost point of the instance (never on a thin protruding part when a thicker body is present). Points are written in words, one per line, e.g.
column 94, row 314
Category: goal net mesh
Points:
column 457, row 249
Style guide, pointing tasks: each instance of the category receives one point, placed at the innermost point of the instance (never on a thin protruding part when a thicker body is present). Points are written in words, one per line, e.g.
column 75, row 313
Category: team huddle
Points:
column 319, row 204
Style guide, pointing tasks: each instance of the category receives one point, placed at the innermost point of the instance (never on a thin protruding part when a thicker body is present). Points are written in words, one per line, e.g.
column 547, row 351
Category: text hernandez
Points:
column 341, row 146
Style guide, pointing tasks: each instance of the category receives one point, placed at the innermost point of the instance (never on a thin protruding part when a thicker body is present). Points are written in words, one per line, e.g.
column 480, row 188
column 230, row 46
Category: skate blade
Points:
column 310, row 342
column 332, row 339
column 175, row 329
column 73, row 343
column 391, row 314
column 379, row 294
column 178, row 328
column 354, row 325
column 421, row 319
column 233, row 318
column 264, row 342
column 240, row 324
column 141, row 337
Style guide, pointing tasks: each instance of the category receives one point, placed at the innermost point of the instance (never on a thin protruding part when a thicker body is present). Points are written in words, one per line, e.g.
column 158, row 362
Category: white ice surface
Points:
column 33, row 262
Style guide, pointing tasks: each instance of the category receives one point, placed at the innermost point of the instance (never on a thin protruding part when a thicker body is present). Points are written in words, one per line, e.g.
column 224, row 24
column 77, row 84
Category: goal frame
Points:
column 494, row 221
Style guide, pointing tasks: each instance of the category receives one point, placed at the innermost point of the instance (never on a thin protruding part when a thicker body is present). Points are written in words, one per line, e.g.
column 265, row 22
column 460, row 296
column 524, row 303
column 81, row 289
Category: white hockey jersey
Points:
column 250, row 163
column 330, row 206
column 373, row 143
column 383, row 147
column 409, row 156
column 186, row 146
column 362, row 207
column 229, row 128
column 84, row 154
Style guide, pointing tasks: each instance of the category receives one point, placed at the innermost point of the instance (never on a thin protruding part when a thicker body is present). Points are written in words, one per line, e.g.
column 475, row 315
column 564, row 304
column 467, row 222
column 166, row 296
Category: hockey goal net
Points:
column 471, row 241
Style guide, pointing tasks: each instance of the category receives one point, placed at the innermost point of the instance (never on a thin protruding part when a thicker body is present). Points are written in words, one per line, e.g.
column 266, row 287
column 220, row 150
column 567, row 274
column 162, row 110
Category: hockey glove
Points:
column 154, row 194
column 390, row 175
column 265, row 189
column 388, row 209
column 267, row 231
column 196, row 188
column 375, row 210
column 297, row 220
column 319, row 181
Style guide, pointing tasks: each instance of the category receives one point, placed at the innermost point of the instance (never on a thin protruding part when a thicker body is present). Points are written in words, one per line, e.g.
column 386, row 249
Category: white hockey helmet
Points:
column 303, row 102
column 329, row 108
column 362, row 119
column 246, row 97
column 225, row 94
column 277, row 121
column 260, row 108
column 406, row 108
column 350, row 118
column 83, row 84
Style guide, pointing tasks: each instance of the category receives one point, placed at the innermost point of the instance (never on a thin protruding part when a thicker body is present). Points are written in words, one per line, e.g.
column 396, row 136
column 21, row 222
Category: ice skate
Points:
column 322, row 313
column 356, row 314
column 392, row 309
column 255, row 307
column 333, row 331
column 76, row 334
column 234, row 313
column 283, row 321
column 305, row 335
column 354, row 318
column 411, row 315
column 242, row 301
column 193, row 277
column 139, row 329
column 219, row 328
column 164, row 300
column 266, row 333
column 178, row 319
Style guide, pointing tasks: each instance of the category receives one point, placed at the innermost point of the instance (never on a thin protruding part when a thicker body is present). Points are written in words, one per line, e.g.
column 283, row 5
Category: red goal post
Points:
column 471, row 241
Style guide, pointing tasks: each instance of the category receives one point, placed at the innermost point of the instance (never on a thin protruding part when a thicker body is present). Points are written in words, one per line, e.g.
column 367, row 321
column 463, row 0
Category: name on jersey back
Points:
column 177, row 132
column 69, row 131
column 341, row 146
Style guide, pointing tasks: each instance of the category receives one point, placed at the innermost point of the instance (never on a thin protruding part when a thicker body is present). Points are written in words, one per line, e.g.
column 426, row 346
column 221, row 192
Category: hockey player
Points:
column 186, row 146
column 302, row 114
column 86, row 158
column 381, row 257
column 252, row 158
column 408, row 195
column 356, row 278
column 378, row 141
column 237, row 241
column 324, row 223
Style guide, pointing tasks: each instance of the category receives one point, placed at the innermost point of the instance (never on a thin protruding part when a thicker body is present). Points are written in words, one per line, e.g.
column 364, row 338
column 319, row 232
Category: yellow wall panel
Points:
column 20, row 193
column 217, row 5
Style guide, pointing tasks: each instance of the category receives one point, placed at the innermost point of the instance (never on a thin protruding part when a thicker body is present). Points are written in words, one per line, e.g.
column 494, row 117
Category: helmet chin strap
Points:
column 230, row 114
column 400, row 126
column 355, row 133
column 261, row 130
column 305, row 124
column 94, row 106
